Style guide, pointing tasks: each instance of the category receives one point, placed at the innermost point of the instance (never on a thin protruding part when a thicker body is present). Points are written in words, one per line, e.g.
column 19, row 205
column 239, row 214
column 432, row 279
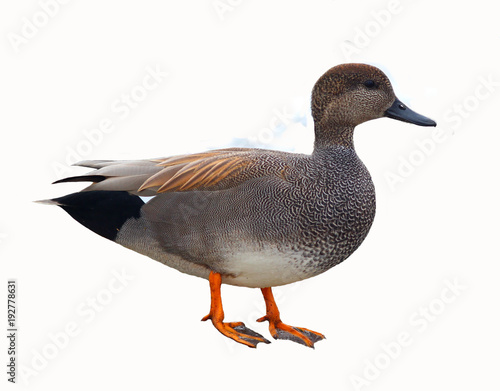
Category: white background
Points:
column 230, row 73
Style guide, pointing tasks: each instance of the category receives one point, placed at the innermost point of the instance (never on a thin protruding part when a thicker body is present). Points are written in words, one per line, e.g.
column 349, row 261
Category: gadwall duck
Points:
column 250, row 217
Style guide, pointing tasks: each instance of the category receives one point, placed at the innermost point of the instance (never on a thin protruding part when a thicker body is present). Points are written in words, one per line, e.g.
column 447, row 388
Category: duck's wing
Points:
column 212, row 170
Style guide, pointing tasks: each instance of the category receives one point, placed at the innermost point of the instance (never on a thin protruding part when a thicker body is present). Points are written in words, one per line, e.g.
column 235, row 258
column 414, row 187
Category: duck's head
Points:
column 350, row 94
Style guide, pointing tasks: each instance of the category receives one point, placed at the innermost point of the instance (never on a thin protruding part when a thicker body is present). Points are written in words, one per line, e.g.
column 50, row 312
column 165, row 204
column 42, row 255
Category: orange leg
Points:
column 234, row 330
column 280, row 330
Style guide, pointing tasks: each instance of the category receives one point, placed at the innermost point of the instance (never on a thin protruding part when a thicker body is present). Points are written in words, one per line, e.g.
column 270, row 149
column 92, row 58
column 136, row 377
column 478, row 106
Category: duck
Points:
column 249, row 217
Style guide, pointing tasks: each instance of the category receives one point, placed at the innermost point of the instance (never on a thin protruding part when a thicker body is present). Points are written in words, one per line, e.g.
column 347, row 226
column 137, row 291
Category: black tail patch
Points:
column 103, row 212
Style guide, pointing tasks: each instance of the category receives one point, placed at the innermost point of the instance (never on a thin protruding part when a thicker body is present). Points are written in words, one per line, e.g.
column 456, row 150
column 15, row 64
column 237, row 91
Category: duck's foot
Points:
column 237, row 331
column 280, row 330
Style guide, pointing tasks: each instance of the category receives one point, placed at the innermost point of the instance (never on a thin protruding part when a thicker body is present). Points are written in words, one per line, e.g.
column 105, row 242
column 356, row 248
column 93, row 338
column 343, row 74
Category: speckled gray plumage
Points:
column 316, row 215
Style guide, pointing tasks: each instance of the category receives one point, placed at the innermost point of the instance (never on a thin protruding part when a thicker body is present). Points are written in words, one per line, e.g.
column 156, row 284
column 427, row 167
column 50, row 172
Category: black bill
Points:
column 401, row 112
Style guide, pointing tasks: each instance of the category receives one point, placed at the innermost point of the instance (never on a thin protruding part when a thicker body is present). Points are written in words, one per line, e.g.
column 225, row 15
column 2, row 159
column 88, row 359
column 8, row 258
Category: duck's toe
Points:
column 300, row 335
column 280, row 330
column 238, row 332
column 247, row 334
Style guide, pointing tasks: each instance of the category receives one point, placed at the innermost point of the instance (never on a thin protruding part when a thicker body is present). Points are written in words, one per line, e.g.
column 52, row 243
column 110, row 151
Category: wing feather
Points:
column 204, row 173
column 212, row 170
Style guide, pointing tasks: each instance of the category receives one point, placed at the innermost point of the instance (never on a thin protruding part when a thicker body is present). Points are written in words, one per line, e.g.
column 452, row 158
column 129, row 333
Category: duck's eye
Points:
column 369, row 84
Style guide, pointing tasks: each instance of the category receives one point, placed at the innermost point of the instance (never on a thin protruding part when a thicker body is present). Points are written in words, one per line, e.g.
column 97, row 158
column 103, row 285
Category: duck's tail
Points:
column 103, row 212
column 112, row 197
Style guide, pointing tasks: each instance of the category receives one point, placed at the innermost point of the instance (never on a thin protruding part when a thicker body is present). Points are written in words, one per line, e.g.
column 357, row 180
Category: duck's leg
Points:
column 233, row 330
column 280, row 330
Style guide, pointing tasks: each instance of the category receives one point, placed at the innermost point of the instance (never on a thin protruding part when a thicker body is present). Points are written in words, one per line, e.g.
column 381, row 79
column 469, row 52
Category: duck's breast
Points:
column 340, row 211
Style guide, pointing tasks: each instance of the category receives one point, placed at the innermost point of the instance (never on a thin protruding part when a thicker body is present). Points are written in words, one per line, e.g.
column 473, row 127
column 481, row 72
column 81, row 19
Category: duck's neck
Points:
column 335, row 136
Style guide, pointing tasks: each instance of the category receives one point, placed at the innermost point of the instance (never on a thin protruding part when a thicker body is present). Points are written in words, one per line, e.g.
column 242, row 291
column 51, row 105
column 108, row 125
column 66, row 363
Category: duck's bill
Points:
column 401, row 112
